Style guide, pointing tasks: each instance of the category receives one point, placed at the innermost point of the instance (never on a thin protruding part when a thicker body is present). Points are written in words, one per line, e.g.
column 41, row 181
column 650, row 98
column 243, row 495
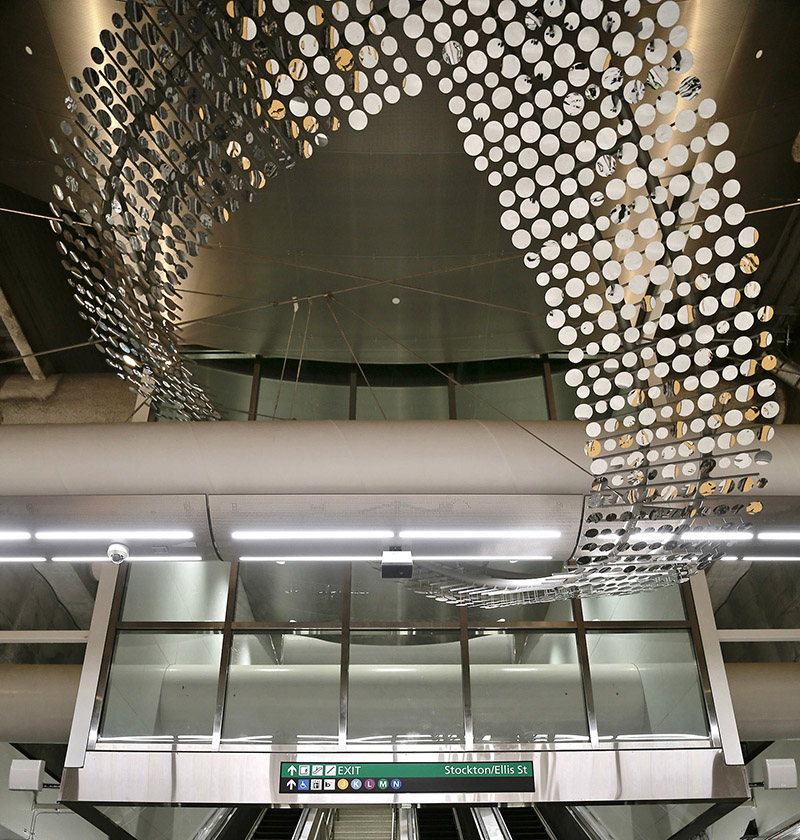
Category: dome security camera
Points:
column 118, row 553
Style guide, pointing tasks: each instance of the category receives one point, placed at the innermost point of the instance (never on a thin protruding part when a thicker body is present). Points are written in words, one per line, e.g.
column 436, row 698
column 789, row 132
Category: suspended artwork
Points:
column 614, row 185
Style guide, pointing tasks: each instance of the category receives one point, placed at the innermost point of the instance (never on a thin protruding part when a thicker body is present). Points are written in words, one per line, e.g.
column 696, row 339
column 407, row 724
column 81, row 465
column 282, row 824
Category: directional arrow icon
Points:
column 292, row 770
column 291, row 784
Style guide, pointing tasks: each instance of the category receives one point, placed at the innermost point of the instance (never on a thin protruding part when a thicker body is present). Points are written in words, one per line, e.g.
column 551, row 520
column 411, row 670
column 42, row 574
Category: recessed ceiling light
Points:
column 506, row 534
column 165, row 558
column 14, row 536
column 716, row 536
column 88, row 536
column 311, row 558
column 510, row 558
column 312, row 535
column 652, row 536
column 780, row 536
column 770, row 559
column 23, row 559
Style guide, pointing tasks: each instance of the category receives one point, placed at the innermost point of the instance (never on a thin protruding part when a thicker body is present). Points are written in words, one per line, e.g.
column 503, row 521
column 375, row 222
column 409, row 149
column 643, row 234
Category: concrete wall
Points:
column 65, row 398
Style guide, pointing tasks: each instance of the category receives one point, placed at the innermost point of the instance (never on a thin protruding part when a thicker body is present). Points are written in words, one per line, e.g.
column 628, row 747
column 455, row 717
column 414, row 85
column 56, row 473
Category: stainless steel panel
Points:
column 715, row 667
column 252, row 778
column 91, row 672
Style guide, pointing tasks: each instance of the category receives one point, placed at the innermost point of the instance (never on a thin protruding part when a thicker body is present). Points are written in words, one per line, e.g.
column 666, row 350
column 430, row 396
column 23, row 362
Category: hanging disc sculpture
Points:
column 613, row 181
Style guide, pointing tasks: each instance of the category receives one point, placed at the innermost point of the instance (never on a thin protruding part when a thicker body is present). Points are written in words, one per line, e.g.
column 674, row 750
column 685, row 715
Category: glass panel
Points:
column 176, row 591
column 162, row 687
column 526, row 687
column 661, row 604
column 306, row 401
column 566, row 397
column 646, row 684
column 405, row 687
column 376, row 599
column 521, row 399
column 303, row 591
column 283, row 688
column 404, row 403
column 551, row 611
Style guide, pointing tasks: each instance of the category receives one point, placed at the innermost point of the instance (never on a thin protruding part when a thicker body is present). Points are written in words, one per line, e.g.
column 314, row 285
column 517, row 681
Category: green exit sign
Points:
column 315, row 777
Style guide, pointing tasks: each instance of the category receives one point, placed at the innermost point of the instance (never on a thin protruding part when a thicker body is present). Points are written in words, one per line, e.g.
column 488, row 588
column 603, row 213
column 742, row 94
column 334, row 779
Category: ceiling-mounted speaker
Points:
column 780, row 774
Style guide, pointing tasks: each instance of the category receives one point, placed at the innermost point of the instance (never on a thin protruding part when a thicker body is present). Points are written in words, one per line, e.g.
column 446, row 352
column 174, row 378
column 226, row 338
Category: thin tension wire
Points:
column 300, row 361
column 361, row 370
column 285, row 357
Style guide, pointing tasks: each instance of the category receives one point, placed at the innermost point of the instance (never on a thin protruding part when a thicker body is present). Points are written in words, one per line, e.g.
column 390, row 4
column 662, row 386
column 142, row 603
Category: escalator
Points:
column 437, row 823
column 524, row 824
column 277, row 824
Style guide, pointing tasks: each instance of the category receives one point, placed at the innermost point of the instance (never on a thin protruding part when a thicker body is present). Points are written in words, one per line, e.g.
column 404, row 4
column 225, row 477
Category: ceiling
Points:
column 397, row 211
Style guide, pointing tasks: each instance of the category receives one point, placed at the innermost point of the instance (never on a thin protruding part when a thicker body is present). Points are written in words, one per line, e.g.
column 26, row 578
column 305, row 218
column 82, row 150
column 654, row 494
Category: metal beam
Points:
column 44, row 637
column 255, row 389
column 14, row 329
column 700, row 823
column 768, row 635
column 549, row 392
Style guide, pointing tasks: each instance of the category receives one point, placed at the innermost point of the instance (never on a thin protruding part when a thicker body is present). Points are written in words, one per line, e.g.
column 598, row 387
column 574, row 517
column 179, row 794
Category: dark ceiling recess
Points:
column 34, row 284
column 386, row 376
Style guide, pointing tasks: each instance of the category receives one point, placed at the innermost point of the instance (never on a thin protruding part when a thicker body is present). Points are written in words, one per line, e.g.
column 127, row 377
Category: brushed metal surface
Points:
column 599, row 776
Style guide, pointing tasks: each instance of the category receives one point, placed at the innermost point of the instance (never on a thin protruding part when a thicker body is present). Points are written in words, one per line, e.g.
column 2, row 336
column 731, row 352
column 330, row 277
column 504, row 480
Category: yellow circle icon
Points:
column 342, row 784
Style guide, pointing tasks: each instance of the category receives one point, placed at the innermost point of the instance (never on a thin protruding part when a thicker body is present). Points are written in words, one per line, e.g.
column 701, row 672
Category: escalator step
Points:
column 437, row 824
column 524, row 824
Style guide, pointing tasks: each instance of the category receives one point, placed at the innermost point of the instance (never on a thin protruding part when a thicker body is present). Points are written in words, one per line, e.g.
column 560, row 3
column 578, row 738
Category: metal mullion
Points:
column 586, row 677
column 108, row 650
column 700, row 661
column 549, row 392
column 344, row 673
column 545, row 626
column 466, row 685
column 271, row 626
column 637, row 626
column 405, row 625
column 171, row 626
column 225, row 656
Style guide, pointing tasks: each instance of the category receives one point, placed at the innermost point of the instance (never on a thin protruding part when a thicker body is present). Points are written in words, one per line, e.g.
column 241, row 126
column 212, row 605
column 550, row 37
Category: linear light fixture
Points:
column 312, row 535
column 780, row 536
column 771, row 559
column 14, row 536
column 88, row 536
column 652, row 536
column 309, row 558
column 716, row 536
column 187, row 558
column 326, row 558
column 470, row 534
column 23, row 559
column 511, row 558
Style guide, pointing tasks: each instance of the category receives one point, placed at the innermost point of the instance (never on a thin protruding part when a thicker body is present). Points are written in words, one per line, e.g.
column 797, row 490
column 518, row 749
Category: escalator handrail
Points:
column 407, row 824
column 315, row 824
column 490, row 823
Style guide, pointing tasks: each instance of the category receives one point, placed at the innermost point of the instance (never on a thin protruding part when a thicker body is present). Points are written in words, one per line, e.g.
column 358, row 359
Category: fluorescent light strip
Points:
column 14, row 536
column 312, row 535
column 88, row 536
column 771, row 559
column 303, row 558
column 167, row 558
column 481, row 535
column 325, row 558
column 651, row 536
column 716, row 536
column 513, row 558
column 23, row 559
column 779, row 536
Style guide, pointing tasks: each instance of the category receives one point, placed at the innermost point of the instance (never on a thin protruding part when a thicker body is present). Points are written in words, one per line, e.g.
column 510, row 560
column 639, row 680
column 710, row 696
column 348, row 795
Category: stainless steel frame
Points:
column 625, row 756
column 566, row 776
